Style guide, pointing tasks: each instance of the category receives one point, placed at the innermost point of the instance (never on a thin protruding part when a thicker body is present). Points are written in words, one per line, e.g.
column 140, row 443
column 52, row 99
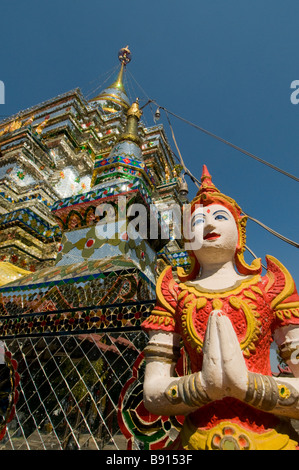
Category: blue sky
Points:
column 226, row 66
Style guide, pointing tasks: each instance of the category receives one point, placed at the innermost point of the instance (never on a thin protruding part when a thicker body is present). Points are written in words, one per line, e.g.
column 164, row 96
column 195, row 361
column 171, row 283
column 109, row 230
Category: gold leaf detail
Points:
column 188, row 298
column 257, row 290
column 295, row 312
column 235, row 302
column 217, row 304
column 249, row 294
column 182, row 294
column 201, row 302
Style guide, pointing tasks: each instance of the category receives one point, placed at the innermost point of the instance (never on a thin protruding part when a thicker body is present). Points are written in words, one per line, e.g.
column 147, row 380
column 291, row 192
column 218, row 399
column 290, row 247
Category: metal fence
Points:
column 70, row 390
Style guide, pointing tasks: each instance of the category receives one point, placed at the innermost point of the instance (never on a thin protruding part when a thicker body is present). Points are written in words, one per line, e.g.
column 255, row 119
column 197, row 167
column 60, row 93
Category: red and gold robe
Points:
column 256, row 306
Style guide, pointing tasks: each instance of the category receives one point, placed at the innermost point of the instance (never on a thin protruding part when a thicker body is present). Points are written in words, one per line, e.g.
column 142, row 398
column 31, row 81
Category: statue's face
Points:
column 214, row 227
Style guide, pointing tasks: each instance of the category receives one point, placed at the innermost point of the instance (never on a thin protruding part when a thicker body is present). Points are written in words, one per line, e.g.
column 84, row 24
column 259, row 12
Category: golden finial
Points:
column 134, row 110
column 124, row 55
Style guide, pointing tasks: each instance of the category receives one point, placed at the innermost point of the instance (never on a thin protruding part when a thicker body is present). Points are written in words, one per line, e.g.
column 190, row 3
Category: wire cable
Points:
column 226, row 142
column 100, row 85
column 254, row 256
column 187, row 171
column 273, row 232
column 196, row 181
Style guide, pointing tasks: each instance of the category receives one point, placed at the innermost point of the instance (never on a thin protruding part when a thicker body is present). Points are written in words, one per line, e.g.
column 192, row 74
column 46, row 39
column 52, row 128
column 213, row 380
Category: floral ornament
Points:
column 124, row 236
column 230, row 439
column 20, row 174
column 89, row 243
column 141, row 254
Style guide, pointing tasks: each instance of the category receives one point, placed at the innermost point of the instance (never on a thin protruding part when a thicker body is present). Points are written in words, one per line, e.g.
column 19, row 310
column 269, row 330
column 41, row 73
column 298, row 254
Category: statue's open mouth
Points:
column 211, row 236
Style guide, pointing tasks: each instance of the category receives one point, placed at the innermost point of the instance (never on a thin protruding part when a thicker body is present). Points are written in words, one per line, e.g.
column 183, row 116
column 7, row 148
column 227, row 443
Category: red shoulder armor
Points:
column 163, row 315
column 166, row 290
column 280, row 286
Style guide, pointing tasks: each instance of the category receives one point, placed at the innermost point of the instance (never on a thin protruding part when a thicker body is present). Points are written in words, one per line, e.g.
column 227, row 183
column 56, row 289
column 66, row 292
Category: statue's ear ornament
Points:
column 191, row 272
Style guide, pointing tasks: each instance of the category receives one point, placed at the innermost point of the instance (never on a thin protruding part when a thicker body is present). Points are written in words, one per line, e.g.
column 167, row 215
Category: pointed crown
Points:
column 209, row 194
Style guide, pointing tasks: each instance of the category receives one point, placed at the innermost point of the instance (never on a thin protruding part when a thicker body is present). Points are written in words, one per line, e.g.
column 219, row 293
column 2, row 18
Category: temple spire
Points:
column 119, row 81
column 124, row 56
column 114, row 98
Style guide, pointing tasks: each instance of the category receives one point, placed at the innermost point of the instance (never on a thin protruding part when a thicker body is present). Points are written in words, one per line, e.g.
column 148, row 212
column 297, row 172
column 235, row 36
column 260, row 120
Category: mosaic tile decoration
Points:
column 89, row 296
column 115, row 317
column 83, row 244
column 75, row 334
column 98, row 193
column 26, row 198
column 116, row 172
column 36, row 224
column 74, row 331
column 17, row 175
column 84, row 213
column 71, row 183
column 124, row 152
column 126, row 160
column 74, row 328
column 178, row 258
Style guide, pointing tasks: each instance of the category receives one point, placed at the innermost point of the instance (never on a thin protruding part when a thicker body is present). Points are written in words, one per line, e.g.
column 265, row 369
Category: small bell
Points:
column 157, row 114
column 183, row 189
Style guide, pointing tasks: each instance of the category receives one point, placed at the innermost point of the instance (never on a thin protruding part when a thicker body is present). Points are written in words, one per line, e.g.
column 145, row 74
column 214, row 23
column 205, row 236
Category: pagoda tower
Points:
column 119, row 183
column 59, row 150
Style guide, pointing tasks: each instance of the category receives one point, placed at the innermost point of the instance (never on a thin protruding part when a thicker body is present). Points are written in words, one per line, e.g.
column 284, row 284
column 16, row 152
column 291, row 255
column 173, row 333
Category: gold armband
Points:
column 162, row 352
column 189, row 390
column 265, row 393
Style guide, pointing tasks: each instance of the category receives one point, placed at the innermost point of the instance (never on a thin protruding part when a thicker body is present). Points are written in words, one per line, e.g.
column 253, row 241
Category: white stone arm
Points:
column 160, row 374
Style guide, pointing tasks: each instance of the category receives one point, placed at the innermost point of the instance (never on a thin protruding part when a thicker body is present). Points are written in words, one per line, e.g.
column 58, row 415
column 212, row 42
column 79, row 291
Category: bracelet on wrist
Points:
column 189, row 390
column 265, row 393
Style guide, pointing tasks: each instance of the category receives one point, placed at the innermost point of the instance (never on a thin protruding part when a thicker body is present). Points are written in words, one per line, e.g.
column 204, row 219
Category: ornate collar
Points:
column 235, row 289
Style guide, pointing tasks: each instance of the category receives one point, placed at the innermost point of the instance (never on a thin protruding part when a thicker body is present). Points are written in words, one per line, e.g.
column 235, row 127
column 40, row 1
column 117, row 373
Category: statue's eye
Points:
column 198, row 220
column 220, row 217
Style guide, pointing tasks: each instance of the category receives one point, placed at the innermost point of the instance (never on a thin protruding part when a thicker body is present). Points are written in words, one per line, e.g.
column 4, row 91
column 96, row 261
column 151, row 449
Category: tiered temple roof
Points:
column 59, row 157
